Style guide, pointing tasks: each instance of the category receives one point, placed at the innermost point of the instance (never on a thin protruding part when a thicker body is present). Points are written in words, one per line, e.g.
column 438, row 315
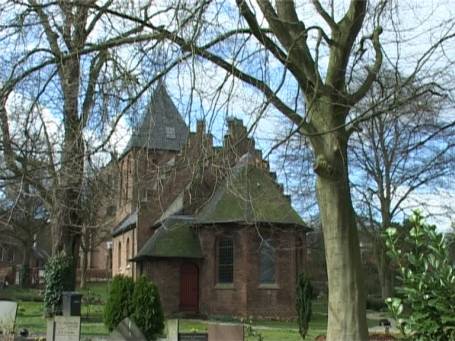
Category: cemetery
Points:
column 30, row 317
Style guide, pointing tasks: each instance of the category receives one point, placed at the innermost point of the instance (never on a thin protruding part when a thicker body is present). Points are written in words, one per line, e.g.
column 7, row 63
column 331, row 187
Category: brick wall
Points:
column 216, row 299
column 246, row 296
column 120, row 265
column 165, row 273
column 273, row 300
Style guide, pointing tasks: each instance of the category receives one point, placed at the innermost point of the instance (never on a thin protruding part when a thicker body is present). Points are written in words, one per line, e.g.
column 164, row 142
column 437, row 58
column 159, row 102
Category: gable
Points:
column 249, row 194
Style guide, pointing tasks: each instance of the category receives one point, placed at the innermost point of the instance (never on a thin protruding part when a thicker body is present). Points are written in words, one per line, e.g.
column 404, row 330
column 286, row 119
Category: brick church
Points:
column 209, row 225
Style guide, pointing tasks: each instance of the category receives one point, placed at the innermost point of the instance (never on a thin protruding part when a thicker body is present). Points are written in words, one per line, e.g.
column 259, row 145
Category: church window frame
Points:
column 119, row 255
column 225, row 260
column 128, row 253
column 267, row 262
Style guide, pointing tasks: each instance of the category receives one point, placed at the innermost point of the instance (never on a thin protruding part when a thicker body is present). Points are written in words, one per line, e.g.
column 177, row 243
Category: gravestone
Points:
column 127, row 330
column 225, row 332
column 172, row 330
column 50, row 326
column 193, row 337
column 8, row 310
column 64, row 328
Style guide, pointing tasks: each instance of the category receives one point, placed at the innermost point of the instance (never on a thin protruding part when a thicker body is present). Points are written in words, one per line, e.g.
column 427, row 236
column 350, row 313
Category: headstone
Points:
column 127, row 330
column 225, row 332
column 67, row 328
column 172, row 330
column 8, row 310
column 50, row 326
column 63, row 328
column 193, row 337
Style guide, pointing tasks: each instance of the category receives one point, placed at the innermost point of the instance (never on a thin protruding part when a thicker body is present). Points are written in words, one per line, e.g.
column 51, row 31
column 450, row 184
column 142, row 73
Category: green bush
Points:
column 58, row 277
column 304, row 295
column 119, row 302
column 148, row 314
column 425, row 301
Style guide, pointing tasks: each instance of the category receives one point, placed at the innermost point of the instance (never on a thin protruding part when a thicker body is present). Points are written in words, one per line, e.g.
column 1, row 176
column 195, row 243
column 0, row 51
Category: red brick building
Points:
column 209, row 225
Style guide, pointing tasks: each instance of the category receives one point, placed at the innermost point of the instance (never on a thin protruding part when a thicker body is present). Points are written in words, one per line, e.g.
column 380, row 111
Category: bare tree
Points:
column 320, row 67
column 402, row 150
column 22, row 219
column 97, row 197
column 68, row 61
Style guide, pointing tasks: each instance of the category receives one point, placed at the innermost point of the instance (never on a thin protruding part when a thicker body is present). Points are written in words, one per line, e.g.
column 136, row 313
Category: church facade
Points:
column 210, row 226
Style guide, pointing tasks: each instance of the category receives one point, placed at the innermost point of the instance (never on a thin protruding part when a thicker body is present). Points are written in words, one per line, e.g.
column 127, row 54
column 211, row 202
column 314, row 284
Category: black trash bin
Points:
column 71, row 303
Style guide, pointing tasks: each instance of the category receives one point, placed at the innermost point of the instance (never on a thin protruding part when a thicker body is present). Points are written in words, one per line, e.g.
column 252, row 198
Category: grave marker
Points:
column 8, row 310
column 127, row 331
column 172, row 330
column 225, row 332
column 64, row 328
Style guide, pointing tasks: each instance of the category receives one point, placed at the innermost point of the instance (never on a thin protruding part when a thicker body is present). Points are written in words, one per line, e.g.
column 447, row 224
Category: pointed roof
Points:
column 249, row 195
column 162, row 127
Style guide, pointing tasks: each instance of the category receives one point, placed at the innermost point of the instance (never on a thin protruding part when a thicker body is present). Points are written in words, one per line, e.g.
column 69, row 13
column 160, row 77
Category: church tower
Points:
column 154, row 145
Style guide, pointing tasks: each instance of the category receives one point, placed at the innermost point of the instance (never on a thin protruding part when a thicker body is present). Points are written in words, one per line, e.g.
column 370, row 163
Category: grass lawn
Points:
column 276, row 330
column 30, row 309
column 30, row 316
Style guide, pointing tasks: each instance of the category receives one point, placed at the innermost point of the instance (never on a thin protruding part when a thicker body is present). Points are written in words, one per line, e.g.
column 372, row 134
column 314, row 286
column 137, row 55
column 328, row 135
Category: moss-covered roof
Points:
column 174, row 238
column 249, row 194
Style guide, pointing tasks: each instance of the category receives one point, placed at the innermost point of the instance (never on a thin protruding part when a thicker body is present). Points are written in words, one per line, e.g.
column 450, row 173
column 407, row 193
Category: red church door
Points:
column 189, row 287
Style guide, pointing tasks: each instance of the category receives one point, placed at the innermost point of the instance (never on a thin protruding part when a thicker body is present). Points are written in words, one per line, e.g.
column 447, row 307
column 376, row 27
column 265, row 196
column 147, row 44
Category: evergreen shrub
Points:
column 148, row 313
column 119, row 302
column 304, row 296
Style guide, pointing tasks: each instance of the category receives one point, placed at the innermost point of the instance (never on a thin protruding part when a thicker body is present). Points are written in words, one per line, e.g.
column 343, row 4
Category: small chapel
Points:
column 209, row 225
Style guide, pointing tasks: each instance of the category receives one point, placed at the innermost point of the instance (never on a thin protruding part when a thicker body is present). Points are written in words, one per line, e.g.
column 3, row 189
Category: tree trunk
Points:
column 346, row 303
column 384, row 273
column 25, row 281
column 83, row 268
column 67, row 216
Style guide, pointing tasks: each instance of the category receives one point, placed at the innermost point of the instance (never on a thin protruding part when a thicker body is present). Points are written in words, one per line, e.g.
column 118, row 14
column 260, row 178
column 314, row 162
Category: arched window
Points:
column 267, row 262
column 119, row 255
column 225, row 250
column 127, row 249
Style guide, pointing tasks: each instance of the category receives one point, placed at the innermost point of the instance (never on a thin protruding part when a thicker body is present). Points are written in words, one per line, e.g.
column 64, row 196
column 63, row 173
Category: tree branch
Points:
column 327, row 18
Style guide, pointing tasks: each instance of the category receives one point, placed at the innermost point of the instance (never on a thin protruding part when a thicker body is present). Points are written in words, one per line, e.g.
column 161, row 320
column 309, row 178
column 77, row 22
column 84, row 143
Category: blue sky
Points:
column 420, row 24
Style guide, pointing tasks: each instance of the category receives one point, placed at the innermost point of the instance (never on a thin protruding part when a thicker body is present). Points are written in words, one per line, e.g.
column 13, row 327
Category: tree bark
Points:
column 346, row 302
column 83, row 269
column 384, row 273
column 26, row 271
column 346, row 306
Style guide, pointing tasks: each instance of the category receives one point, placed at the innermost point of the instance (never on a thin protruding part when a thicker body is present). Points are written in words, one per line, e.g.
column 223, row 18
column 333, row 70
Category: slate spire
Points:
column 162, row 127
